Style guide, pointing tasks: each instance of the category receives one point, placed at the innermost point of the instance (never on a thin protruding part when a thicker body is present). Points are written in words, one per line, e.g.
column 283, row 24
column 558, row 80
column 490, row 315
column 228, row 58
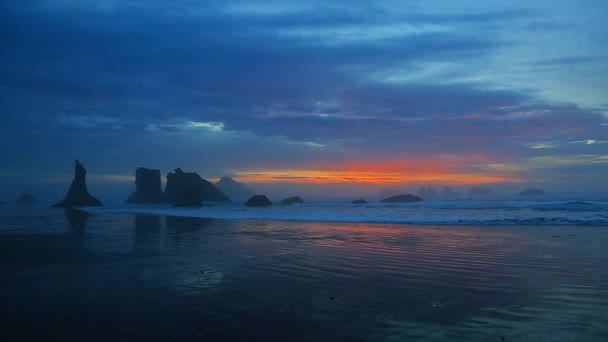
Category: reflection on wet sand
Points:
column 188, row 279
column 77, row 219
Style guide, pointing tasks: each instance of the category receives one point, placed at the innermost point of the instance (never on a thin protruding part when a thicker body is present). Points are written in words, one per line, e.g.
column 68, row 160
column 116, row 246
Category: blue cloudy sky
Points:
column 332, row 95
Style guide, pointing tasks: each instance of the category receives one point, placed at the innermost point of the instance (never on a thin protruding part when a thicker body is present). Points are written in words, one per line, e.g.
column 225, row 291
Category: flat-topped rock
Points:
column 359, row 201
column 258, row 201
column 78, row 195
column 292, row 200
column 148, row 188
column 406, row 198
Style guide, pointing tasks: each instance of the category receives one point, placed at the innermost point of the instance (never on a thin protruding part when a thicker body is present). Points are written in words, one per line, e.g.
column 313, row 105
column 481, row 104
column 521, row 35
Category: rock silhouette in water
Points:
column 359, row 201
column 147, row 187
column 233, row 189
column 479, row 191
column 426, row 192
column 182, row 187
column 533, row 192
column 292, row 200
column 258, row 201
column 402, row 199
column 25, row 199
column 190, row 197
column 77, row 195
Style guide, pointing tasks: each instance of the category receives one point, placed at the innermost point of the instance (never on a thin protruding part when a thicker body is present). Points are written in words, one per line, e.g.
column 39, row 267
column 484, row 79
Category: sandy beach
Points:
column 131, row 277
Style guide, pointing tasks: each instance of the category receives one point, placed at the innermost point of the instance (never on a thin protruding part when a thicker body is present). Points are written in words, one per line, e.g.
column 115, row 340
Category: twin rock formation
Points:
column 183, row 189
column 188, row 189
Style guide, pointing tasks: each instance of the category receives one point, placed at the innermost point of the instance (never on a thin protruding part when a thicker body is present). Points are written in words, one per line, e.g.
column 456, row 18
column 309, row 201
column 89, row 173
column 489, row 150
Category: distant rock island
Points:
column 359, row 201
column 186, row 188
column 292, row 200
column 479, row 191
column 402, row 199
column 77, row 195
column 148, row 188
column 448, row 192
column 427, row 192
column 533, row 192
column 26, row 199
column 233, row 189
column 258, row 201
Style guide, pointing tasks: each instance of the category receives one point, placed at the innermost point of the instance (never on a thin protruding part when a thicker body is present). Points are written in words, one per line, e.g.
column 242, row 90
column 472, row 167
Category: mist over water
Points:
column 75, row 275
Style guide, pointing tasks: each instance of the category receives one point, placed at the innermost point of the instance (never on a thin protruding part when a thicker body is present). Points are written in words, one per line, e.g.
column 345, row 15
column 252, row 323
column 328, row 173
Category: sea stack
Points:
column 182, row 187
column 407, row 198
column 427, row 192
column 233, row 189
column 25, row 199
column 77, row 195
column 148, row 187
column 258, row 201
column 292, row 200
column 359, row 201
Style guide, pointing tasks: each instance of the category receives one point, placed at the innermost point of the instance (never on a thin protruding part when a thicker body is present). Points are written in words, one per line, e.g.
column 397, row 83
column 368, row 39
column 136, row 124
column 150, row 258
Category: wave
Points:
column 386, row 214
column 500, row 205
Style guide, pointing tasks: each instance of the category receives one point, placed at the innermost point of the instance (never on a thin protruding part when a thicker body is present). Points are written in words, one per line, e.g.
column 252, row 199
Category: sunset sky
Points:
column 326, row 96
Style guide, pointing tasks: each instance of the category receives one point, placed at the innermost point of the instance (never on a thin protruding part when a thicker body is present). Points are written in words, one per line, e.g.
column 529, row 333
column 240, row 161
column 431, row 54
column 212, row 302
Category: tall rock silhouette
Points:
column 148, row 187
column 77, row 195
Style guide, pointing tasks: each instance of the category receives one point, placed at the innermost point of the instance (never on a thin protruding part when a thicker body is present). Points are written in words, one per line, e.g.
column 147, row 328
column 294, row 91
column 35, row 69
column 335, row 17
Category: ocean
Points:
column 463, row 270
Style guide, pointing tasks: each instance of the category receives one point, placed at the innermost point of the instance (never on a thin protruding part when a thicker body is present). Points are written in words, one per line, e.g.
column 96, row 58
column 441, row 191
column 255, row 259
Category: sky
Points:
column 315, row 97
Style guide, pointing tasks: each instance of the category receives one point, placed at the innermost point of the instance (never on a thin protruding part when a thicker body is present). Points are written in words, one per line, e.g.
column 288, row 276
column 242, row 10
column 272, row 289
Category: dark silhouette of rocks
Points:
column 292, row 200
column 148, row 187
column 402, row 199
column 448, row 192
column 190, row 197
column 182, row 188
column 426, row 192
column 359, row 201
column 77, row 195
column 258, row 201
column 533, row 192
column 25, row 199
column 233, row 189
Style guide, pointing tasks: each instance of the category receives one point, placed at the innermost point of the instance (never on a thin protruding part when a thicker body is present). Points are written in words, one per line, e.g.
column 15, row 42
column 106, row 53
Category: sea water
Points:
column 312, row 272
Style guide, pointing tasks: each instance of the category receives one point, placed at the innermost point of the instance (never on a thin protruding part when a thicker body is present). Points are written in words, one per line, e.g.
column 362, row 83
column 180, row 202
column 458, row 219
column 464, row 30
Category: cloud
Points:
column 285, row 85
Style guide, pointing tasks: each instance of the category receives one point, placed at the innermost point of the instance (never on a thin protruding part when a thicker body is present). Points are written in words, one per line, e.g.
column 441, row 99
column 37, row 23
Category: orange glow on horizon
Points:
column 361, row 177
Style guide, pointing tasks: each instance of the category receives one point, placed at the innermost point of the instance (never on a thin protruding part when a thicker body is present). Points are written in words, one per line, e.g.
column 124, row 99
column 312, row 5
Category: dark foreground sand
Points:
column 127, row 277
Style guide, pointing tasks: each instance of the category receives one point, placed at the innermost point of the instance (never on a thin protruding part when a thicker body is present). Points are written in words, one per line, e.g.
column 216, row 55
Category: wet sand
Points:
column 129, row 277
